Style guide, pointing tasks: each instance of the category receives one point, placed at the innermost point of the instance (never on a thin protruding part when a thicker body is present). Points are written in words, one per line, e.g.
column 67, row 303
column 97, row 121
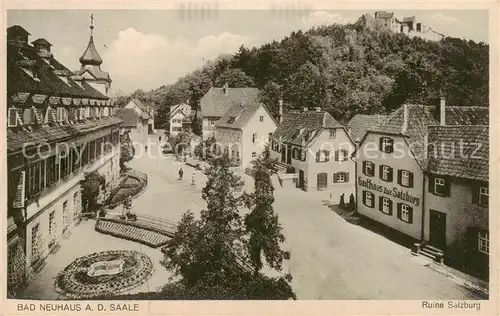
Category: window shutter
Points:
column 364, row 167
column 431, row 184
column 334, row 178
column 399, row 176
column 327, row 155
column 410, row 215
column 410, row 180
column 390, row 207
column 390, row 174
column 475, row 193
column 381, row 172
column 336, row 155
column 12, row 117
column 380, row 144
column 373, row 170
column 473, row 238
column 399, row 210
column 317, row 156
column 447, row 187
column 381, row 203
column 373, row 199
column 347, row 177
column 364, row 198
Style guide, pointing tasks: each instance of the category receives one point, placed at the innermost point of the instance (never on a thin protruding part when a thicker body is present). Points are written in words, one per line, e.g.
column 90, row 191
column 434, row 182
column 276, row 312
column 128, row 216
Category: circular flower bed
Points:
column 75, row 282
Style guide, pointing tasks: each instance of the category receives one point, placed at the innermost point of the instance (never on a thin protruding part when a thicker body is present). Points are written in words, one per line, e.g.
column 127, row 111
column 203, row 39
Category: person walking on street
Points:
column 181, row 173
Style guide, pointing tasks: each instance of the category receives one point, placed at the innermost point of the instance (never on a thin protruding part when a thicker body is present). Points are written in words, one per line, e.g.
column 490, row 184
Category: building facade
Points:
column 316, row 148
column 436, row 201
column 457, row 196
column 145, row 112
column 59, row 127
column 245, row 130
column 133, row 123
column 217, row 101
column 180, row 118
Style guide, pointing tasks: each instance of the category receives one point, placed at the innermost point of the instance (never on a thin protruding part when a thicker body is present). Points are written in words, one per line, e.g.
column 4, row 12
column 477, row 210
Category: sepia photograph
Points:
column 287, row 153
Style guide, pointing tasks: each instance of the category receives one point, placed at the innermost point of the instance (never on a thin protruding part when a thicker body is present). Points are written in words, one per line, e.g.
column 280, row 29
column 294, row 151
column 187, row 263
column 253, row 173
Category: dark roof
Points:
column 16, row 137
column 129, row 117
column 17, row 30
column 53, row 77
column 95, row 71
column 177, row 107
column 91, row 56
column 215, row 103
column 361, row 123
column 450, row 142
column 238, row 116
column 41, row 41
column 297, row 125
column 412, row 121
column 409, row 19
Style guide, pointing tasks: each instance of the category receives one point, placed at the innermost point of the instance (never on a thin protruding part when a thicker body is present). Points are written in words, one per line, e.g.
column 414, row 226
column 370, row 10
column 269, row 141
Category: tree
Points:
column 206, row 149
column 205, row 251
column 127, row 150
column 235, row 78
column 262, row 224
column 91, row 186
column 180, row 143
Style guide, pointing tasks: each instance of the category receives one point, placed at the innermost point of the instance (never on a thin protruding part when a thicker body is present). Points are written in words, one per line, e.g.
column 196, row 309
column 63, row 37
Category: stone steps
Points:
column 121, row 230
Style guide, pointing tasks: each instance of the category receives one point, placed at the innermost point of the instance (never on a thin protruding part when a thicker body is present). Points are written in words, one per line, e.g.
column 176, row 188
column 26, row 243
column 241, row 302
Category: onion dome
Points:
column 90, row 56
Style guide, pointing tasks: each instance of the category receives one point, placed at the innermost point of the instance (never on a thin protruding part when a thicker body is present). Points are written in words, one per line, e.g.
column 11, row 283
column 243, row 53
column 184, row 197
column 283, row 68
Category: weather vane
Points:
column 91, row 22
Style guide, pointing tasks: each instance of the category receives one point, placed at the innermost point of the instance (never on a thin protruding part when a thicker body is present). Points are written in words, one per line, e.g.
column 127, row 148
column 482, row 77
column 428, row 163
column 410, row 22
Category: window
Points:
column 76, row 202
column 52, row 228
column 484, row 194
column 332, row 133
column 405, row 178
column 12, row 117
column 35, row 243
column 386, row 144
column 254, row 137
column 483, row 239
column 341, row 155
column 368, row 168
column 211, row 121
column 385, row 173
column 322, row 156
column 269, row 137
column 64, row 162
column 66, row 220
column 254, row 154
column 52, row 170
column 368, row 199
column 75, row 158
column 405, row 213
column 385, row 205
column 303, row 155
column 439, row 186
column 341, row 177
column 262, row 118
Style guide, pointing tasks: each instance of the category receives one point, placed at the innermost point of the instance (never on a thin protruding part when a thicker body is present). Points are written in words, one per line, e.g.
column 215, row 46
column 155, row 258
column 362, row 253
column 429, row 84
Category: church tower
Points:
column 90, row 70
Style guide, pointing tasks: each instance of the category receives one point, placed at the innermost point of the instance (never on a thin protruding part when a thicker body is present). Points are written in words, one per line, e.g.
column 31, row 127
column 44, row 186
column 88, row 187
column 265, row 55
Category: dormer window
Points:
column 231, row 120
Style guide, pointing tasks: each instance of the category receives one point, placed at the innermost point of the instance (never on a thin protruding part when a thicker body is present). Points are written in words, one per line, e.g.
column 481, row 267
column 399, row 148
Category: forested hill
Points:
column 345, row 71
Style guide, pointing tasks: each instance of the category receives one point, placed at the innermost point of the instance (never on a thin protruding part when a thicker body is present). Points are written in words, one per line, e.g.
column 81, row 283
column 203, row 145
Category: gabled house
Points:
column 133, row 123
column 316, row 148
column 392, row 159
column 180, row 118
column 146, row 112
column 244, row 131
column 217, row 101
column 457, row 197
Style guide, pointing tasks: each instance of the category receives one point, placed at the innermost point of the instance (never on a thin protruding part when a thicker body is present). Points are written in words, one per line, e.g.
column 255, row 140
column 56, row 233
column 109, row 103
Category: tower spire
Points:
column 91, row 23
column 90, row 56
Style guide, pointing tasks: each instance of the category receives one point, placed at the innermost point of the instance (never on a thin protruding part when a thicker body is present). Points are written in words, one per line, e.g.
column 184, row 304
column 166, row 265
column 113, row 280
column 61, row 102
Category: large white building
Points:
column 180, row 118
column 60, row 126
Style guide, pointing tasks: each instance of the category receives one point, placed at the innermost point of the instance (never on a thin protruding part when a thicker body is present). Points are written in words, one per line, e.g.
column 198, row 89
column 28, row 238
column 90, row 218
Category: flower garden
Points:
column 79, row 280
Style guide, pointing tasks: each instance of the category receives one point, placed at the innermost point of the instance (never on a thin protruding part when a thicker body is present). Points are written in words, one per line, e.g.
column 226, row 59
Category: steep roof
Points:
column 384, row 15
column 446, row 143
column 215, row 103
column 296, row 126
column 95, row 71
column 361, row 123
column 412, row 121
column 238, row 116
column 52, row 76
column 129, row 117
column 178, row 107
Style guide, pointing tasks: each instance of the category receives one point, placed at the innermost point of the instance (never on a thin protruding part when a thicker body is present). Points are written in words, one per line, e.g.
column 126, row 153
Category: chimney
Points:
column 442, row 110
column 305, row 109
column 280, row 111
column 317, row 109
column 226, row 88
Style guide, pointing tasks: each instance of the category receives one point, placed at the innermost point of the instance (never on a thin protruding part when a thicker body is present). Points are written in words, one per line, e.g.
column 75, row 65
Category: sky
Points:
column 145, row 49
